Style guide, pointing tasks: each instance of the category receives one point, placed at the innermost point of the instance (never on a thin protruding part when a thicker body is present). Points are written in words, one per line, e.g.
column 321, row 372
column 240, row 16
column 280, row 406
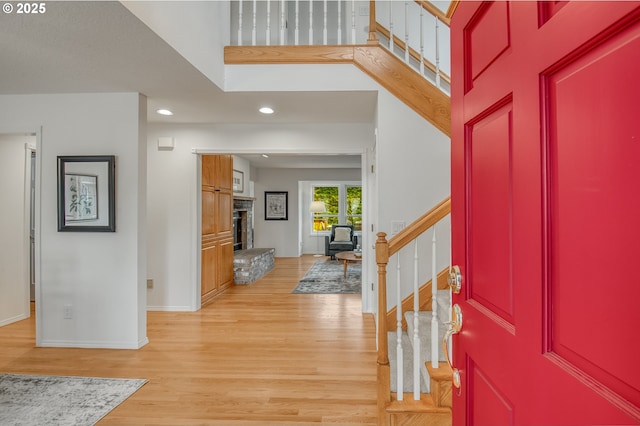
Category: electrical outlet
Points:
column 68, row 312
column 149, row 283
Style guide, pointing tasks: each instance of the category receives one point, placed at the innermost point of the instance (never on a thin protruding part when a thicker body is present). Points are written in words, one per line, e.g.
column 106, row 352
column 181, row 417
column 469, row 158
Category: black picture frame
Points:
column 86, row 193
column 276, row 205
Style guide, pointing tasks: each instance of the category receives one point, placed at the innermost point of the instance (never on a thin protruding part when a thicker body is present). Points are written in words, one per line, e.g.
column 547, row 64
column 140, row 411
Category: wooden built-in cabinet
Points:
column 217, row 225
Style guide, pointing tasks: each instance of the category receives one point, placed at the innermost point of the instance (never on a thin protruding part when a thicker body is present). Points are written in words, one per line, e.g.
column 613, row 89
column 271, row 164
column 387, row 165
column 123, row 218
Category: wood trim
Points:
column 452, row 8
column 236, row 55
column 420, row 225
column 424, row 296
column 429, row 7
column 411, row 88
column 413, row 53
column 390, row 72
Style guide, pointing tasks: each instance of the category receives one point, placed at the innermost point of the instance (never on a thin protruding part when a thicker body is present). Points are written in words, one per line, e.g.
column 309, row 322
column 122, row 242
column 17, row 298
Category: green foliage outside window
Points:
column 331, row 197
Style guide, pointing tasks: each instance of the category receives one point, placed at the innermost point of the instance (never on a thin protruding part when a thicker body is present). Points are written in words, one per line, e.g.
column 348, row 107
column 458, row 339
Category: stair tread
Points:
column 441, row 374
column 424, row 405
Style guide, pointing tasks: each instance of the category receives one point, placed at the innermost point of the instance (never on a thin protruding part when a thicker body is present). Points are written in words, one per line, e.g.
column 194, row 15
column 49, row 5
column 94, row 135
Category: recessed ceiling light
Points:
column 164, row 112
column 266, row 110
column 265, row 155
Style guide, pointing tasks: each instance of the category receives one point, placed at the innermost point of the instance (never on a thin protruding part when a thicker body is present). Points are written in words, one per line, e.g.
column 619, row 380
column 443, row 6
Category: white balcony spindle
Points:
column 421, row 40
column 268, row 30
column 353, row 22
column 406, row 32
column 434, row 303
column 399, row 351
column 339, row 22
column 240, row 23
column 296, row 35
column 254, row 34
column 310, row 22
column 391, row 26
column 324, row 25
column 416, row 331
column 437, row 54
column 282, row 22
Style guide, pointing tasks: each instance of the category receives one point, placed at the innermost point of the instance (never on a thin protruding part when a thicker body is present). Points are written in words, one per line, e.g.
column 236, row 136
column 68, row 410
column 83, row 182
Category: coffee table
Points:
column 346, row 257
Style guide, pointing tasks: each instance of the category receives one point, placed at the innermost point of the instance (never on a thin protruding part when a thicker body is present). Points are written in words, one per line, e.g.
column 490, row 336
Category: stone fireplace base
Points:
column 251, row 264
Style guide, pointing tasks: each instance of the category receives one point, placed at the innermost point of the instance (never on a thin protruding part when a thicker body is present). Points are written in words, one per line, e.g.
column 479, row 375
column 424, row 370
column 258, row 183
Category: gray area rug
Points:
column 326, row 277
column 27, row 400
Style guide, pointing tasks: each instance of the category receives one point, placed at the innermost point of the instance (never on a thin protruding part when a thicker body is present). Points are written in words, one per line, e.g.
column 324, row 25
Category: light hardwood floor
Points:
column 256, row 355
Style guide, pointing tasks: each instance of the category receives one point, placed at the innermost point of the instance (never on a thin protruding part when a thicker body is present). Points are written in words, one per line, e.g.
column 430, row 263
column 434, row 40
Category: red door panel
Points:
column 545, row 211
column 594, row 147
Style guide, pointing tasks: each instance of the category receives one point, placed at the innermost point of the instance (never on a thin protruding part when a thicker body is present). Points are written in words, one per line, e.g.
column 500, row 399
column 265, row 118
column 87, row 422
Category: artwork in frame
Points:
column 276, row 205
column 86, row 193
column 238, row 181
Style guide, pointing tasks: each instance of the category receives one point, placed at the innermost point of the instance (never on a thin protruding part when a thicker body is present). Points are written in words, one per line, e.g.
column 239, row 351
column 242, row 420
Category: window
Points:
column 343, row 205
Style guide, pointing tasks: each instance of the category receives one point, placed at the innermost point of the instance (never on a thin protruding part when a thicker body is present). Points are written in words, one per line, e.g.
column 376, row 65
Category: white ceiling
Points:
column 94, row 47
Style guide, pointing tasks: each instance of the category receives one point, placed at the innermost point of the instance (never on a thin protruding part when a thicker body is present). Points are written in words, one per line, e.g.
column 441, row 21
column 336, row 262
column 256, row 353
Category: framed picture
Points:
column 86, row 193
column 238, row 181
column 276, row 205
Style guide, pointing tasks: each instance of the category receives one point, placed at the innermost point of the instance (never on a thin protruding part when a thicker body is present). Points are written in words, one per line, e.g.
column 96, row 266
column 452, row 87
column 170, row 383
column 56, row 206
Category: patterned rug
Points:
column 27, row 400
column 326, row 277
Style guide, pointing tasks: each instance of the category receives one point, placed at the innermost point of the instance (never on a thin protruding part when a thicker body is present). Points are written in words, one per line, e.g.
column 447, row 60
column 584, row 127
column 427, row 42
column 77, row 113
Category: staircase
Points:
column 399, row 402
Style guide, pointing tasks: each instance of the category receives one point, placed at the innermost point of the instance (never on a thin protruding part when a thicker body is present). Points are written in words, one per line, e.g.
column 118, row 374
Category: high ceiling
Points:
column 94, row 47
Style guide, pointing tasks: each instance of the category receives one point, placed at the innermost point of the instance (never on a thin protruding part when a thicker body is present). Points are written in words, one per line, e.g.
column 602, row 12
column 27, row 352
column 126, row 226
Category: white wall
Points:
column 101, row 275
column 198, row 30
column 413, row 175
column 173, row 215
column 14, row 211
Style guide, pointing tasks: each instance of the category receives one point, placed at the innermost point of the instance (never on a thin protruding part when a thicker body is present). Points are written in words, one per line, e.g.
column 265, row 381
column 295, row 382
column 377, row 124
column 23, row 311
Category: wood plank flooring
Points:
column 256, row 355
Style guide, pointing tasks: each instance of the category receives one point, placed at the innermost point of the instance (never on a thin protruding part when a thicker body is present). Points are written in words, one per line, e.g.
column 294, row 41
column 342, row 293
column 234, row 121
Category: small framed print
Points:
column 238, row 181
column 86, row 193
column 276, row 205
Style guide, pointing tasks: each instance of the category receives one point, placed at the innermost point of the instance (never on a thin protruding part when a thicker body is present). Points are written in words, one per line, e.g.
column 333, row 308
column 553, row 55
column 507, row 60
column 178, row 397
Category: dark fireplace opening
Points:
column 240, row 234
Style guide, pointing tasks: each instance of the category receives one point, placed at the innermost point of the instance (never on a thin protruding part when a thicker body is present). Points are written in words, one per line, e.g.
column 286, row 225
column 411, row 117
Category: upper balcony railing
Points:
column 417, row 32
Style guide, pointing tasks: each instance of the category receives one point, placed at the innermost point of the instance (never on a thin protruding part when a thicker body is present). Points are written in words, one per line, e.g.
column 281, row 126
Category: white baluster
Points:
column 297, row 29
column 240, row 23
column 416, row 333
column 434, row 303
column 339, row 22
column 268, row 30
column 324, row 27
column 282, row 22
column 437, row 54
column 254, row 34
column 310, row 22
column 406, row 32
column 421, row 40
column 399, row 352
column 391, row 26
column 353, row 22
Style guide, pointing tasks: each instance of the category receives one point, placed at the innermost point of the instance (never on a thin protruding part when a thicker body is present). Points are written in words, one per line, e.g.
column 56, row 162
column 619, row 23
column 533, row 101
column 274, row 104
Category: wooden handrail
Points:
column 419, row 226
column 412, row 52
column 429, row 7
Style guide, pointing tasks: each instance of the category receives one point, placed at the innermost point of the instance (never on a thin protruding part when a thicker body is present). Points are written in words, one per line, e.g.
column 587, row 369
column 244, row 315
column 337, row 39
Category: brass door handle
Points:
column 455, row 327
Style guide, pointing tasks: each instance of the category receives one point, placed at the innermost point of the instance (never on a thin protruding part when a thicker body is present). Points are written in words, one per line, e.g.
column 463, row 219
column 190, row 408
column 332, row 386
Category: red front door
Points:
column 546, row 212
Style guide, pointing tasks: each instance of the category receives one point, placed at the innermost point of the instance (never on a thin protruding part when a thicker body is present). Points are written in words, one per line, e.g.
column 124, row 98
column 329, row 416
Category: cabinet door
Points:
column 225, row 269
column 209, row 278
column 224, row 175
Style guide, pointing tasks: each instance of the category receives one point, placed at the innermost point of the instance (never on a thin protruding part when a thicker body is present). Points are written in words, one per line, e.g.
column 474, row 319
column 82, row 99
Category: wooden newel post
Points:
column 373, row 36
column 382, row 259
column 383, row 369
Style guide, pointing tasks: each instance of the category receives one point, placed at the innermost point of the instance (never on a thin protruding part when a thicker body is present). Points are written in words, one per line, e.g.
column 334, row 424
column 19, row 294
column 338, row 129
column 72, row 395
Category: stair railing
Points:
column 385, row 249
column 415, row 31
